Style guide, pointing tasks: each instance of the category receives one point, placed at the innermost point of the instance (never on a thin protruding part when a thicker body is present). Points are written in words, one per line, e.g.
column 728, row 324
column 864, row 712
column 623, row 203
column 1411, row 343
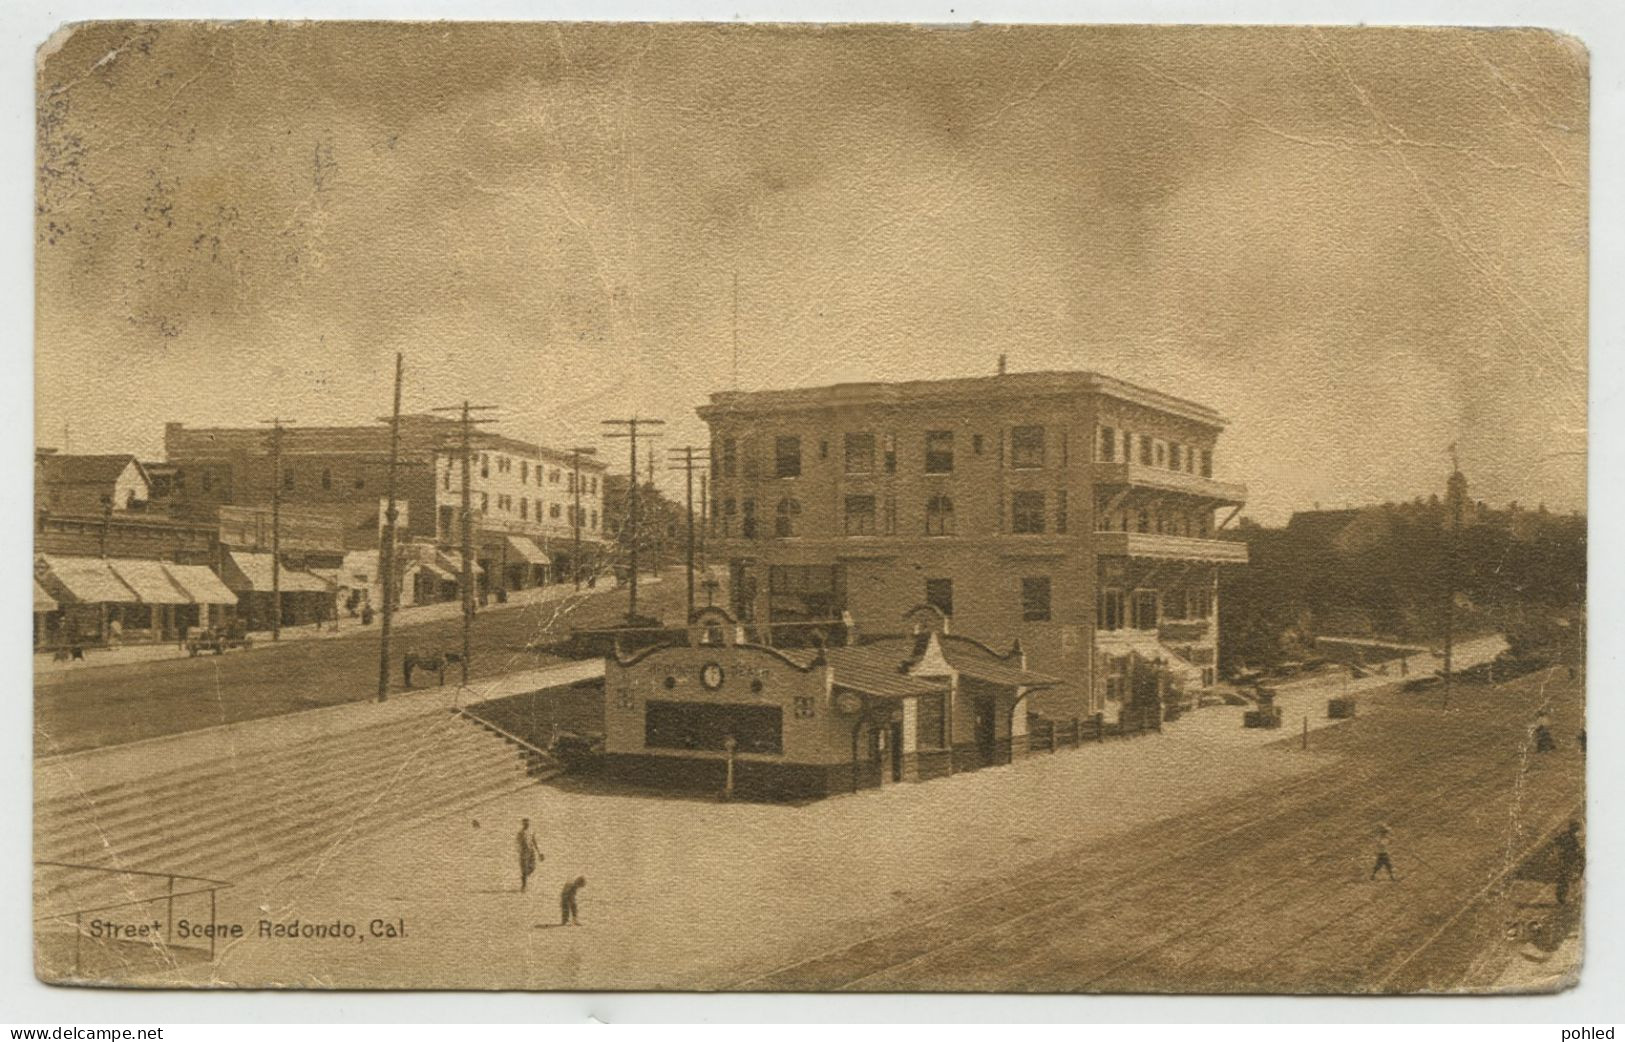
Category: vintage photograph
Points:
column 810, row 508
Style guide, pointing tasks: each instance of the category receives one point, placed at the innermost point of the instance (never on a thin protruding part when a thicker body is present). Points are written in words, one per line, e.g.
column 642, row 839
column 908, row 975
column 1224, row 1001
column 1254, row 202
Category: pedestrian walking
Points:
column 567, row 901
column 530, row 854
column 1384, row 861
column 1571, row 860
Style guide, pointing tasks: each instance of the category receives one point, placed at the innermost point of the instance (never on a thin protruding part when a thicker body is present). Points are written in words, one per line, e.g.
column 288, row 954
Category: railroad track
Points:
column 894, row 967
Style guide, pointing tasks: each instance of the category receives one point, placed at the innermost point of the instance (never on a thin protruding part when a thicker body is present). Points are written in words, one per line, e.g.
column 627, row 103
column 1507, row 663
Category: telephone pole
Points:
column 685, row 456
column 386, row 540
column 467, row 581
column 276, row 423
column 575, row 520
column 1455, row 501
column 630, row 526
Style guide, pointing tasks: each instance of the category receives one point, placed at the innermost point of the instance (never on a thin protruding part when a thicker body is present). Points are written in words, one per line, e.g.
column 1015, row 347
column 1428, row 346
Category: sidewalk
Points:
column 92, row 768
column 44, row 664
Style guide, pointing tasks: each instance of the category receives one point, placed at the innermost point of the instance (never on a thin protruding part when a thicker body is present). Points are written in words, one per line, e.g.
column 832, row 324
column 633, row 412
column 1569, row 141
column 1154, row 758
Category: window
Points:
column 939, row 452
column 1174, row 462
column 891, row 453
column 823, row 449
column 976, row 444
column 1145, row 450
column 860, row 515
column 1060, row 512
column 787, row 518
column 1145, row 610
column 485, row 465
column 709, row 725
column 860, row 453
column 787, row 456
column 593, row 514
column 939, row 593
column 327, row 478
column 930, row 728
column 553, row 476
column 888, row 518
column 485, row 501
column 1108, row 445
column 1026, row 448
column 287, row 479
column 1109, row 610
column 447, row 483
column 730, row 454
column 1035, row 599
column 805, row 707
column 360, row 483
column 1027, row 513
column 747, row 518
column 750, row 459
column 552, row 510
column 939, row 516
column 1200, row 602
column 1116, row 678
column 524, row 509
column 1161, row 448
column 729, row 508
column 1207, row 463
column 1145, row 521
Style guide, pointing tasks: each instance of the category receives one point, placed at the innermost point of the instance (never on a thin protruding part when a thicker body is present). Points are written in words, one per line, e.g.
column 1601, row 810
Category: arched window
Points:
column 939, row 516
column 788, row 518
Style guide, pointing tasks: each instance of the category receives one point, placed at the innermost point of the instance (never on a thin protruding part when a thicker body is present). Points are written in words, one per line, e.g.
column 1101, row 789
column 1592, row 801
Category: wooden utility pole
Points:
column 467, row 581
column 575, row 520
column 686, row 458
column 1455, row 498
column 276, row 525
column 386, row 539
column 630, row 526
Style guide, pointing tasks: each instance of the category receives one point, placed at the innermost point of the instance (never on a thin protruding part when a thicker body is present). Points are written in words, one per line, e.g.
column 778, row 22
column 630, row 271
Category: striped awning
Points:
column 454, row 564
column 42, row 600
column 86, row 580
column 200, row 584
column 149, row 581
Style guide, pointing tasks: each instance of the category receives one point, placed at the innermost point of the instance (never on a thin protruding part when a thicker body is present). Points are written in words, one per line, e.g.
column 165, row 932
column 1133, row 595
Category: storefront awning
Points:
column 149, row 581
column 43, row 601
column 526, row 551
column 454, row 565
column 257, row 572
column 200, row 584
column 437, row 571
column 87, row 580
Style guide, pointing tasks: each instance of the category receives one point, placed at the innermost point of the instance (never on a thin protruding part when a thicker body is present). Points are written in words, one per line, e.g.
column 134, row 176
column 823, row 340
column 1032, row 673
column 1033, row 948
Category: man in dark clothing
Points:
column 529, row 853
column 1383, row 860
column 1570, row 860
column 567, row 901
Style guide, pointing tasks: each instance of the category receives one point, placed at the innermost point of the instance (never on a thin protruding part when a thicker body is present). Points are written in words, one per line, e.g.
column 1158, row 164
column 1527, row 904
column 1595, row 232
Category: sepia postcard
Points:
column 750, row 507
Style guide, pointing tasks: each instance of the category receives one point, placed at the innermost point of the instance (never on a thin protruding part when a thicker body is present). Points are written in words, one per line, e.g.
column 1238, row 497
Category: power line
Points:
column 685, row 456
column 386, row 538
column 466, row 410
column 630, row 433
column 576, row 452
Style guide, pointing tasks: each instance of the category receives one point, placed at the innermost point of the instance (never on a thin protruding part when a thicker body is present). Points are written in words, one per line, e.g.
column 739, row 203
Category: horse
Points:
column 435, row 663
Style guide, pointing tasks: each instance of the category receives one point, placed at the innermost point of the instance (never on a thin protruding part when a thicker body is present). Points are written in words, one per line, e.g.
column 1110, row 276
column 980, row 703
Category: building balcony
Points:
column 1169, row 547
column 1160, row 479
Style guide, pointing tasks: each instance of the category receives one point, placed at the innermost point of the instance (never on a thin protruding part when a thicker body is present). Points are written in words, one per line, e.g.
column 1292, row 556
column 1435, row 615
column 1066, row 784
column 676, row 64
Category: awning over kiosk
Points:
column 149, row 581
column 43, row 601
column 527, row 551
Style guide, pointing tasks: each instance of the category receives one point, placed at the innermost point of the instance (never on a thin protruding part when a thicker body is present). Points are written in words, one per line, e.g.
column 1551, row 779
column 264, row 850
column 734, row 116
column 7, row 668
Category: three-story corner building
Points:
column 1071, row 511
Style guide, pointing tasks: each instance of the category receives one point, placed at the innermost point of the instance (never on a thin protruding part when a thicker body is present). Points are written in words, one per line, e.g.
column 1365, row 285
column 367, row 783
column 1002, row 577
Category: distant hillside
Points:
column 1383, row 571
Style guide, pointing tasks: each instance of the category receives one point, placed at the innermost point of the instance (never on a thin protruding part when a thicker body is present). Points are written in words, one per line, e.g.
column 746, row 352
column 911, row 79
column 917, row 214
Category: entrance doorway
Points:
column 986, row 728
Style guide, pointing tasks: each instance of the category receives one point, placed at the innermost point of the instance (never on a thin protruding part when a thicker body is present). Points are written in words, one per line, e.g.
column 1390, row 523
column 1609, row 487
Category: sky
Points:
column 1362, row 246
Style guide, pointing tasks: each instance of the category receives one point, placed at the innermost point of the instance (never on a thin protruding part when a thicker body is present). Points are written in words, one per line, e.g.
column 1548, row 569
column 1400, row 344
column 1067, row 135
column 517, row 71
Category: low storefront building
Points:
column 722, row 715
